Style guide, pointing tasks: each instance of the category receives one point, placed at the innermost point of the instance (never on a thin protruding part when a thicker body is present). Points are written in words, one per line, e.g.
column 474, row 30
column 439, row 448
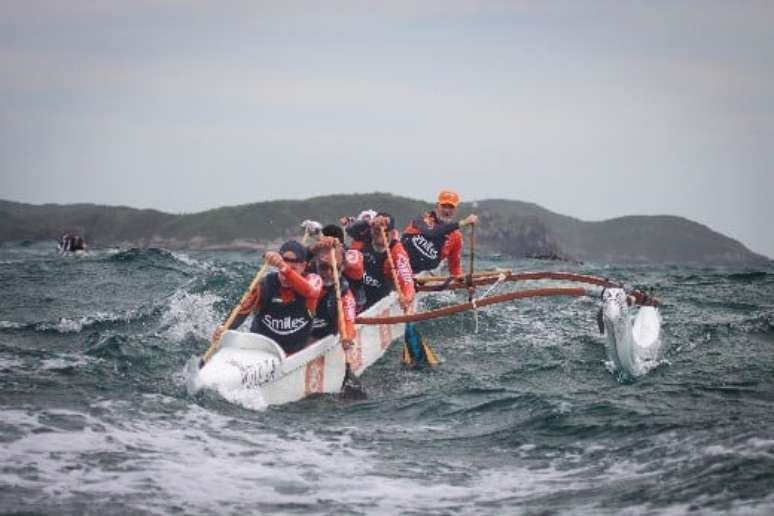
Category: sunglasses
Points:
column 293, row 260
column 324, row 267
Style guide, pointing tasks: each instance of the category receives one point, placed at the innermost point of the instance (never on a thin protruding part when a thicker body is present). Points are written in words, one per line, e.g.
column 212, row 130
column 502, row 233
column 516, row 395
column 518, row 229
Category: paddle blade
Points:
column 352, row 388
column 432, row 360
column 417, row 352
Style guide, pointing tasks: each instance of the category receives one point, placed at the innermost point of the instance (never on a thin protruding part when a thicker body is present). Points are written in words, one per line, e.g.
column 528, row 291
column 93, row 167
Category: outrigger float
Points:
column 247, row 362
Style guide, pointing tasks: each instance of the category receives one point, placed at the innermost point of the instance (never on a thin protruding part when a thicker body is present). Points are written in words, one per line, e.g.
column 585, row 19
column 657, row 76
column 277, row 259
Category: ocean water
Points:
column 522, row 417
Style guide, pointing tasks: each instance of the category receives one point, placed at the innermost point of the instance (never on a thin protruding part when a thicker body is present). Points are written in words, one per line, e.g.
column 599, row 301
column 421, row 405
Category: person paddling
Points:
column 378, row 277
column 283, row 302
column 437, row 237
column 428, row 241
column 359, row 229
column 326, row 319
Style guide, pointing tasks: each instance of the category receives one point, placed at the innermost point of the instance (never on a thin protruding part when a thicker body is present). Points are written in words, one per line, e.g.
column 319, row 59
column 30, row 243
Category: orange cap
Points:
column 449, row 197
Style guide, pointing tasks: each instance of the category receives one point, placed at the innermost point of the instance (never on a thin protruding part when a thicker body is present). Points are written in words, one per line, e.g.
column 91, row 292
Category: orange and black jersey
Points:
column 283, row 314
column 378, row 275
column 326, row 319
column 428, row 241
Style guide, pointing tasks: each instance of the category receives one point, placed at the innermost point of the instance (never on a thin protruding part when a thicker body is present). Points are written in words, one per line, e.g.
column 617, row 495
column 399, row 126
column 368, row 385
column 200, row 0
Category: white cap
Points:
column 366, row 215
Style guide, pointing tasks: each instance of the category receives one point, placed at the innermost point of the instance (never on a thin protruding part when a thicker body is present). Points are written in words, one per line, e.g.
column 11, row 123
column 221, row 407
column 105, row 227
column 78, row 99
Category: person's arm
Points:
column 441, row 228
column 403, row 271
column 353, row 265
column 309, row 286
column 452, row 250
column 348, row 333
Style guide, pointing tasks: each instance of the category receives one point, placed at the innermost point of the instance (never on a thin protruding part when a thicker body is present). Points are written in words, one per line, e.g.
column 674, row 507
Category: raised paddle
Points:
column 471, row 288
column 351, row 386
column 215, row 344
column 414, row 346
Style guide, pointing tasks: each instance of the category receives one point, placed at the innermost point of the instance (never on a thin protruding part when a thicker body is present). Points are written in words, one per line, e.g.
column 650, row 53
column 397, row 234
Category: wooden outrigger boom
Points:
column 425, row 283
column 449, row 310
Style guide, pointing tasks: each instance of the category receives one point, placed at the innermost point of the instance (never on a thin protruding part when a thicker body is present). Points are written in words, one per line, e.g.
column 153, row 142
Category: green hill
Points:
column 510, row 228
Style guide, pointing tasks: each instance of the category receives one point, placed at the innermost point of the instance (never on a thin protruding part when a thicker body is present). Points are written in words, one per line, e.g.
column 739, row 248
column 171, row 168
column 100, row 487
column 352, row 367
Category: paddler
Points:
column 326, row 320
column 437, row 237
column 378, row 275
column 358, row 228
column 284, row 301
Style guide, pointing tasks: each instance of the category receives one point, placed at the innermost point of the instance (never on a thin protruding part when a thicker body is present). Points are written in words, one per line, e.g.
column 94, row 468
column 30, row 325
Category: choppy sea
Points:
column 522, row 417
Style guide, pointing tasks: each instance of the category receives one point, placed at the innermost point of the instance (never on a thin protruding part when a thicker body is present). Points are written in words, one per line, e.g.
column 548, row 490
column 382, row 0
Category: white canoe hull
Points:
column 251, row 364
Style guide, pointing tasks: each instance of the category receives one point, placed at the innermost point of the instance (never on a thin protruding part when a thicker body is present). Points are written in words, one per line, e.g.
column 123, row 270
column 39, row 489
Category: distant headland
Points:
column 509, row 228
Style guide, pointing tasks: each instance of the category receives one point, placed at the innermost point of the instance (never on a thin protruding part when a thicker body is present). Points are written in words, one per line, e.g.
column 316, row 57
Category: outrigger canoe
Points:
column 248, row 364
column 255, row 363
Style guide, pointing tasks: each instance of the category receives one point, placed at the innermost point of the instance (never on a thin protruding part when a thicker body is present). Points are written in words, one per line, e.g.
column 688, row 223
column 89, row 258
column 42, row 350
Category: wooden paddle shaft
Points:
column 472, row 248
column 390, row 260
column 337, row 286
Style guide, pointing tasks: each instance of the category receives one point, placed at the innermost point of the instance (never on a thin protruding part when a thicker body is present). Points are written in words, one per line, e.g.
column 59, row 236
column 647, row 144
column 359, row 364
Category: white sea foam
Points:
column 197, row 459
column 9, row 364
column 70, row 325
column 10, row 325
column 193, row 262
column 203, row 461
column 66, row 362
column 754, row 448
column 67, row 325
column 190, row 314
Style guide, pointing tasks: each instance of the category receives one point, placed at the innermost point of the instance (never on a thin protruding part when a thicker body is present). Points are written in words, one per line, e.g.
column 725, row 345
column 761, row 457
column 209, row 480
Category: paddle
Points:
column 351, row 386
column 215, row 344
column 471, row 288
column 415, row 349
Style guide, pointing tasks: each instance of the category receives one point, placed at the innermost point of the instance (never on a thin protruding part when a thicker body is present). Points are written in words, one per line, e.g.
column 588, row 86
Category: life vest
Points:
column 375, row 284
column 288, row 324
column 326, row 319
column 424, row 250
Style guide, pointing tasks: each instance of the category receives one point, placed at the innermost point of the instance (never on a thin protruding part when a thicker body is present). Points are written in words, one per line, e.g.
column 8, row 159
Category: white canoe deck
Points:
column 248, row 361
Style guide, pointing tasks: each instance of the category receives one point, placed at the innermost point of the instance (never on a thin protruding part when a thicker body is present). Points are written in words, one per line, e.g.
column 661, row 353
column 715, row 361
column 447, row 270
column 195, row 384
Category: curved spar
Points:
column 510, row 296
column 440, row 283
column 487, row 278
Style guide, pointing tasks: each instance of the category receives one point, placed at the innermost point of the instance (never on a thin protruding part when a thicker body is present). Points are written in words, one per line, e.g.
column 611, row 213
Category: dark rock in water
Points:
column 554, row 258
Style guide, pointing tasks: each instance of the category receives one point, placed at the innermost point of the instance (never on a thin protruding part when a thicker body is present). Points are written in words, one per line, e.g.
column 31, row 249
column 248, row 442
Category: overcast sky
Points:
column 593, row 109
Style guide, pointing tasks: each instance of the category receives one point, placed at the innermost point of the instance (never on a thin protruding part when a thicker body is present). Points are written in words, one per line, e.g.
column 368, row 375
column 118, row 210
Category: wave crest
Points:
column 189, row 313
